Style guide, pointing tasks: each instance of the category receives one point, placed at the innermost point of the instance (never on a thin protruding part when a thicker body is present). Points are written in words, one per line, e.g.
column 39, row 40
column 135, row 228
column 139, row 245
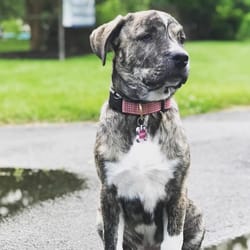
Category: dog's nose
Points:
column 180, row 60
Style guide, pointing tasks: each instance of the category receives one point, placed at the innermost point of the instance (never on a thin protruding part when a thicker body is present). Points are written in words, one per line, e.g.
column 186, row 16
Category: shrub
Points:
column 244, row 30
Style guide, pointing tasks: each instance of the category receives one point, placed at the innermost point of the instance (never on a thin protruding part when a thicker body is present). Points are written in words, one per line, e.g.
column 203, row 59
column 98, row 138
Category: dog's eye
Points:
column 145, row 37
column 181, row 38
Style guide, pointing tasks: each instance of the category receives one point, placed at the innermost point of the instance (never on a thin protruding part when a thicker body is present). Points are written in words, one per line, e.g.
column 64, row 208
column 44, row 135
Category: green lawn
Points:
column 13, row 45
column 219, row 77
column 73, row 90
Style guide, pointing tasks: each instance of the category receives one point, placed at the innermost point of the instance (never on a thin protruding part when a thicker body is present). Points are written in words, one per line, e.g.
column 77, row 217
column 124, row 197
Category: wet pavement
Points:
column 238, row 243
column 219, row 182
column 22, row 188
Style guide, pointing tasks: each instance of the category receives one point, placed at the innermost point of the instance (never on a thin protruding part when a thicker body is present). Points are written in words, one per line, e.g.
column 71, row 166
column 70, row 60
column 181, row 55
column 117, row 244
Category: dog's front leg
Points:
column 173, row 221
column 113, row 222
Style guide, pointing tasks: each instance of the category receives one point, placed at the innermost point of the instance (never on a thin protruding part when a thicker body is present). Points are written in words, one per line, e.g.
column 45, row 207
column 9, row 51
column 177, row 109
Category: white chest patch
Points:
column 142, row 173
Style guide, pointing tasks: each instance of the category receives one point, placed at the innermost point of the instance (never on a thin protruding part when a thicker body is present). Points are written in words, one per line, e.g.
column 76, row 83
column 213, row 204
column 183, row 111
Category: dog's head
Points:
column 150, row 62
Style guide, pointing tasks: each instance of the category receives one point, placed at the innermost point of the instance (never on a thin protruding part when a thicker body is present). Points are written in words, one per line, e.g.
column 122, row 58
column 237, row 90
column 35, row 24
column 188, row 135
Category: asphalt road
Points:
column 219, row 180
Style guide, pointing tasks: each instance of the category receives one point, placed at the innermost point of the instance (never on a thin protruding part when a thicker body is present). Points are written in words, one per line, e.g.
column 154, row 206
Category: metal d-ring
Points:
column 140, row 120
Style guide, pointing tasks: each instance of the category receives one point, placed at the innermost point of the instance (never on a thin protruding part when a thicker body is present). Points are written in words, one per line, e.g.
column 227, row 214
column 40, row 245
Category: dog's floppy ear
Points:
column 101, row 37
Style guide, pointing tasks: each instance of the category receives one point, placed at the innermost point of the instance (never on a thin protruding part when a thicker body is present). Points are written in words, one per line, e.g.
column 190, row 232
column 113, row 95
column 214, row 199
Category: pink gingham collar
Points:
column 125, row 106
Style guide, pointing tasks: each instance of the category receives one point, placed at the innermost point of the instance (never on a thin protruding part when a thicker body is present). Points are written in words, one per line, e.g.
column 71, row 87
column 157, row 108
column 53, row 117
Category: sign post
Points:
column 78, row 13
column 61, row 34
column 74, row 14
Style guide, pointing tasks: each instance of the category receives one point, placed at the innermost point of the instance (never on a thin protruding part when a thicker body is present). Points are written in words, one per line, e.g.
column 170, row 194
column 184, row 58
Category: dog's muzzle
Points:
column 180, row 60
column 173, row 71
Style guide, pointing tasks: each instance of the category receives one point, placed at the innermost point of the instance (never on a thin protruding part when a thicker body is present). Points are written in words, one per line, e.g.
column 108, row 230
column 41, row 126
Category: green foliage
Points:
column 208, row 19
column 244, row 30
column 135, row 5
column 211, row 19
column 107, row 10
column 227, row 19
column 12, row 25
column 12, row 9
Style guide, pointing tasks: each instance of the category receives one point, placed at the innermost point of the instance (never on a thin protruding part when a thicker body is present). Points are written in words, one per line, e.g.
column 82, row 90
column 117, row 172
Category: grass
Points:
column 219, row 78
column 13, row 45
column 73, row 90
column 49, row 90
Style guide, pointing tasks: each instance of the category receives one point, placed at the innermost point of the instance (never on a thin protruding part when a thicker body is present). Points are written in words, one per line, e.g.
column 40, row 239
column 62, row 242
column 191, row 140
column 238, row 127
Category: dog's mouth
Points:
column 167, row 80
column 174, row 84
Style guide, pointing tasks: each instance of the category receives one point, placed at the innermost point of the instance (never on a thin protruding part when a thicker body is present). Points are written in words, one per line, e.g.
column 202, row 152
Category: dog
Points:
column 141, row 152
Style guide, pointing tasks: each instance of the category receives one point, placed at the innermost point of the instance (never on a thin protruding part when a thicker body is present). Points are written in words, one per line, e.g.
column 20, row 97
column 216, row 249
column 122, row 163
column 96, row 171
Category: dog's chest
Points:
column 142, row 173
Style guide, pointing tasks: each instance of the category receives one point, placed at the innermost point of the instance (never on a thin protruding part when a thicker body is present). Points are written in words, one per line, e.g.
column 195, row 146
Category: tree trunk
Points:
column 34, row 9
column 42, row 16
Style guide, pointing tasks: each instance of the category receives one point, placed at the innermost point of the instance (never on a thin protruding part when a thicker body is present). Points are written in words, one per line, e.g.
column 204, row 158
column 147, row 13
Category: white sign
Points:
column 78, row 13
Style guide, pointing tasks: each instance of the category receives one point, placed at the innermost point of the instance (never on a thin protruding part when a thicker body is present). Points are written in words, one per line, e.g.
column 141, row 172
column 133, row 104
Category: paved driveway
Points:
column 219, row 180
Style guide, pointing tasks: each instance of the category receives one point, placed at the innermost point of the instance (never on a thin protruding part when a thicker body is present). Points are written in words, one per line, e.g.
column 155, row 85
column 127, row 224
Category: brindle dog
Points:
column 143, row 198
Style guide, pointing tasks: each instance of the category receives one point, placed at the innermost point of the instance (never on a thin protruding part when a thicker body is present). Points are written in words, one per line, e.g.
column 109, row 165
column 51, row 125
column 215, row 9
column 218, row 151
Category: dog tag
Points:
column 141, row 133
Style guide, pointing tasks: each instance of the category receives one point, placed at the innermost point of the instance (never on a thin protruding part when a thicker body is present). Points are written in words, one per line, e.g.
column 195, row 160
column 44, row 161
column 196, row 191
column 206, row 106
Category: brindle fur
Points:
column 143, row 66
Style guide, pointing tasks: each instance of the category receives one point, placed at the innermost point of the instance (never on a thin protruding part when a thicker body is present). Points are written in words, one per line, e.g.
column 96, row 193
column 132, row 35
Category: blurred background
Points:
column 37, row 21
column 34, row 34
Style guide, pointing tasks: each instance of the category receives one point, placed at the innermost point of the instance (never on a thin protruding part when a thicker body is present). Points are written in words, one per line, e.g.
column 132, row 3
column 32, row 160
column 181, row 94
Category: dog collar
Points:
column 122, row 105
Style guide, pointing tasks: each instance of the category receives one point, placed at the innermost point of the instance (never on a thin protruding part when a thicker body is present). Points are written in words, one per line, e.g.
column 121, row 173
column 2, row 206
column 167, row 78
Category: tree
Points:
column 207, row 19
column 229, row 18
column 202, row 19
column 107, row 10
column 41, row 16
column 11, row 9
column 244, row 31
column 29, row 10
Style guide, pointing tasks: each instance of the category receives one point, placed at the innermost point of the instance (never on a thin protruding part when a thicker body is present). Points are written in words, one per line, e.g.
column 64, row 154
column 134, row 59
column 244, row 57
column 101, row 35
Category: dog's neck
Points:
column 126, row 106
